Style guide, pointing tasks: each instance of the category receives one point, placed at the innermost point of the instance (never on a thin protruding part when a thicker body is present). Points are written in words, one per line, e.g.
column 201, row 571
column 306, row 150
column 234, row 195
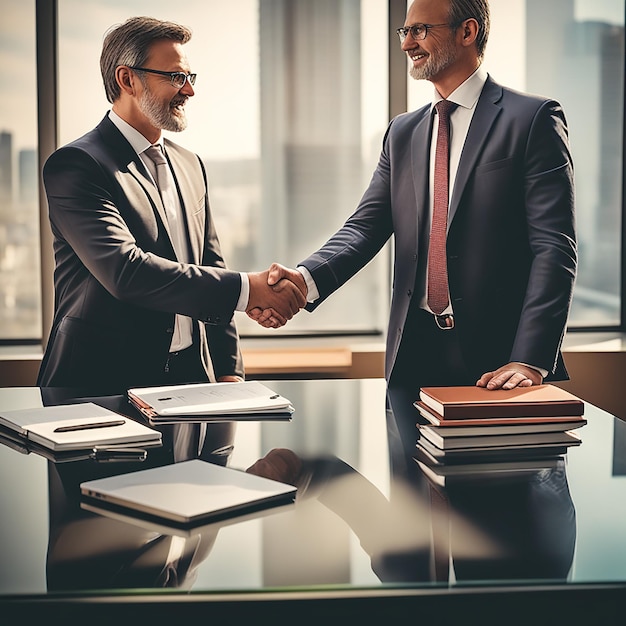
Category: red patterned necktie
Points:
column 437, row 265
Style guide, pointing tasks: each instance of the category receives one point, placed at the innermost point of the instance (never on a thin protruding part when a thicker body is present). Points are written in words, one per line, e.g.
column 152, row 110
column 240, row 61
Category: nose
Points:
column 187, row 89
column 409, row 43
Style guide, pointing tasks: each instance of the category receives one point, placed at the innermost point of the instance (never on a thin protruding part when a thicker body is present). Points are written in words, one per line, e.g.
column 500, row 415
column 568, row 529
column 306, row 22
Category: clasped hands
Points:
column 276, row 295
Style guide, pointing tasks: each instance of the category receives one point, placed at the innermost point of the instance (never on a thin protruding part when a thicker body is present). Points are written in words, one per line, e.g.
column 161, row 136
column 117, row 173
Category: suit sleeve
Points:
column 549, row 202
column 358, row 241
column 111, row 227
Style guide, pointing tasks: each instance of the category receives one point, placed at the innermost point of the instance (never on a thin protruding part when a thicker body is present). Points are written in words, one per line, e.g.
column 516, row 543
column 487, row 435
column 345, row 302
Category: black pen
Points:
column 73, row 427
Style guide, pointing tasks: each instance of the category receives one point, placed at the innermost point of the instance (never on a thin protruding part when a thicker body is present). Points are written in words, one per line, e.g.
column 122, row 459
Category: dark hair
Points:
column 129, row 44
column 478, row 9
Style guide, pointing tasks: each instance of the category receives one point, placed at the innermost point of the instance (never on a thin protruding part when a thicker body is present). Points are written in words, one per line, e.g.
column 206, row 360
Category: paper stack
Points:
column 210, row 402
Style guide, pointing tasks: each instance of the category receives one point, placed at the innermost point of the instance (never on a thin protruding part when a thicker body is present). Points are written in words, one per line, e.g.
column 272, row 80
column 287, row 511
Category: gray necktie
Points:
column 167, row 189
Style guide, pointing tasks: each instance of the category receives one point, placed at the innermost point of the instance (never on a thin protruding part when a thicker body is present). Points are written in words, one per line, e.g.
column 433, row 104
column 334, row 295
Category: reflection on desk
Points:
column 363, row 524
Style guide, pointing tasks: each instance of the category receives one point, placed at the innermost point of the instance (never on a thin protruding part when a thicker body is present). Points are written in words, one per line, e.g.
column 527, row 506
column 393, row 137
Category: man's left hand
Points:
column 510, row 376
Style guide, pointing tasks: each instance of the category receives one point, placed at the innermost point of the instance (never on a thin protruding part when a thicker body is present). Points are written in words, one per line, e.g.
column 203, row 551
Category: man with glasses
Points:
column 510, row 250
column 143, row 295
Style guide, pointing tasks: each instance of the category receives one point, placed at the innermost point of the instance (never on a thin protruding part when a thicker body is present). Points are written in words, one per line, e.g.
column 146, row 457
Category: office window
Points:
column 288, row 116
column 573, row 51
column 20, row 299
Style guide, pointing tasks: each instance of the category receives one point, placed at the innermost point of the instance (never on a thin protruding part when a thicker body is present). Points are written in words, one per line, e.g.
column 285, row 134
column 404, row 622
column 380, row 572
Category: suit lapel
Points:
column 129, row 160
column 420, row 158
column 485, row 115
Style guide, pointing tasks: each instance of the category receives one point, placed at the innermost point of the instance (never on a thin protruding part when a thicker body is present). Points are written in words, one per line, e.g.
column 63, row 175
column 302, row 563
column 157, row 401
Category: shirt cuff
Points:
column 543, row 372
column 244, row 295
column 312, row 293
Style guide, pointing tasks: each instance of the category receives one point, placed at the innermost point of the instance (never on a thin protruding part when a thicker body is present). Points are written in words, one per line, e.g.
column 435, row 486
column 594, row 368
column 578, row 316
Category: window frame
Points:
column 47, row 133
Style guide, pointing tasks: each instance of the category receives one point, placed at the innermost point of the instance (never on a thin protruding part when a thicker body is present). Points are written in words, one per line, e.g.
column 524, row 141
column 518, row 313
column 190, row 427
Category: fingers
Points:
column 288, row 288
column 276, row 295
column 278, row 273
column 484, row 379
column 255, row 314
column 268, row 318
column 275, row 273
column 510, row 376
column 285, row 302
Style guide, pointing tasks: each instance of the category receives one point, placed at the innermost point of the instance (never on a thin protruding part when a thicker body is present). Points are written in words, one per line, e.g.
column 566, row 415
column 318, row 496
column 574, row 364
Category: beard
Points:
column 439, row 60
column 160, row 114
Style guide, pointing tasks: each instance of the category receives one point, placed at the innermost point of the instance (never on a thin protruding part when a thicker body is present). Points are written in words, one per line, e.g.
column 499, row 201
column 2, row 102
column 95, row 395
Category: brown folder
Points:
column 470, row 402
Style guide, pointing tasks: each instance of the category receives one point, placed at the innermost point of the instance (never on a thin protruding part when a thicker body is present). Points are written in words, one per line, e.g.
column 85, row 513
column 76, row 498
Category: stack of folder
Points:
column 72, row 432
column 473, row 432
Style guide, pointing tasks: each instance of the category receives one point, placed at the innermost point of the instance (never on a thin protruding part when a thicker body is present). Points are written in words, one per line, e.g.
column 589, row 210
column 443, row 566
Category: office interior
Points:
column 324, row 344
column 572, row 49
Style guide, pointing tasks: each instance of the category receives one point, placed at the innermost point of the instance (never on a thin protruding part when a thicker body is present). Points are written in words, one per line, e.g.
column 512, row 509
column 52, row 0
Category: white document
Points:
column 77, row 427
column 206, row 399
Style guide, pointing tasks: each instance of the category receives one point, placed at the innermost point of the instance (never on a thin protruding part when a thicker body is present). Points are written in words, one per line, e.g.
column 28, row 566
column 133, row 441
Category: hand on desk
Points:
column 289, row 296
column 510, row 376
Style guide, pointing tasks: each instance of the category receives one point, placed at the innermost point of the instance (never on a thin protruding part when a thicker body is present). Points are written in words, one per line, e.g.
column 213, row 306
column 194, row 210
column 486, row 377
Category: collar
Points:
column 467, row 93
column 138, row 142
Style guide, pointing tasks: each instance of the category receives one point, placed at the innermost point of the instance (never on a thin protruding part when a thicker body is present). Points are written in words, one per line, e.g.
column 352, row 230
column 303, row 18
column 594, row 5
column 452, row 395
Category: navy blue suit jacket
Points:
column 511, row 241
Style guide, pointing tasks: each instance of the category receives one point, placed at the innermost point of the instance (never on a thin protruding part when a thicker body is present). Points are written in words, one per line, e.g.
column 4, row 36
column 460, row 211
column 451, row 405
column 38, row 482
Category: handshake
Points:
column 276, row 295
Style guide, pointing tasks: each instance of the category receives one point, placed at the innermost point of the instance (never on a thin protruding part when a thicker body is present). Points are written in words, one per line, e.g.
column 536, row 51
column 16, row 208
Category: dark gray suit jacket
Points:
column 117, row 283
column 511, row 241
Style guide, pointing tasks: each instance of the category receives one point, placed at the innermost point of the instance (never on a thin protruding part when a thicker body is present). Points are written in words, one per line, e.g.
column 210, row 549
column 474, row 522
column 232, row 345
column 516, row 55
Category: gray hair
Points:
column 478, row 9
column 129, row 44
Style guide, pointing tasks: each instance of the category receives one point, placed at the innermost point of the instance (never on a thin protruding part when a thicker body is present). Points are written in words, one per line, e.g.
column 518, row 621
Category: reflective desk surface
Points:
column 358, row 541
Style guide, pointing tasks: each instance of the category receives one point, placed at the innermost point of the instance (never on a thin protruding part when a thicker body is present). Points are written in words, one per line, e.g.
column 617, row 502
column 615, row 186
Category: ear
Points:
column 469, row 31
column 125, row 79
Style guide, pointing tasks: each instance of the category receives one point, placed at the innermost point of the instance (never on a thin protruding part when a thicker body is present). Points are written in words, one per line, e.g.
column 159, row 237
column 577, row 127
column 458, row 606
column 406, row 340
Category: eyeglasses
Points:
column 177, row 79
column 419, row 31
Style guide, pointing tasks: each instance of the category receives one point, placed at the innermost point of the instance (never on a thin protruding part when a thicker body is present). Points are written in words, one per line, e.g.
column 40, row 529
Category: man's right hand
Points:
column 274, row 297
column 288, row 285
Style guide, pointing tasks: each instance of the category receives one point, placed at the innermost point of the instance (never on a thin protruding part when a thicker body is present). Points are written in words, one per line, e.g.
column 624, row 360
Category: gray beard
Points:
column 160, row 115
column 433, row 67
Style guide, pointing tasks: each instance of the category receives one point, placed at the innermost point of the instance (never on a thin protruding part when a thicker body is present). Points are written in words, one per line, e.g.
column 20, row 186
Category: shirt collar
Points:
column 138, row 142
column 467, row 93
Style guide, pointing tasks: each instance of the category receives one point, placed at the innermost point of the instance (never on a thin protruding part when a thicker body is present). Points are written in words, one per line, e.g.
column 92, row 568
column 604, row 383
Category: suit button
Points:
column 408, row 293
column 169, row 331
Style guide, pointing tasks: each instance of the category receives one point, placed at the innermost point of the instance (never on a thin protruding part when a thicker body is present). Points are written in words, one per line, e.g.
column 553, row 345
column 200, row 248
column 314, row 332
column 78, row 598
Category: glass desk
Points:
column 360, row 540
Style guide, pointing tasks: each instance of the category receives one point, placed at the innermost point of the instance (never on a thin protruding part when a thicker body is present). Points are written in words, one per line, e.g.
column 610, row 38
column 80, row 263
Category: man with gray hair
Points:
column 143, row 295
column 477, row 190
